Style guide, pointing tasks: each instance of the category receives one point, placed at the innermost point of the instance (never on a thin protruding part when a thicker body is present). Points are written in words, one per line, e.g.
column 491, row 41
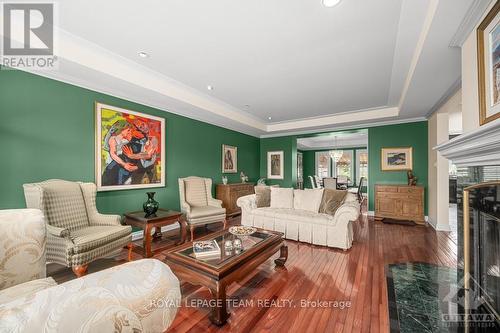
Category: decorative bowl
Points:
column 242, row 230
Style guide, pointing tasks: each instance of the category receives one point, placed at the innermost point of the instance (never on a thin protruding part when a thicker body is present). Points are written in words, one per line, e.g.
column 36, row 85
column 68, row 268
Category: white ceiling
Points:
column 306, row 66
column 351, row 139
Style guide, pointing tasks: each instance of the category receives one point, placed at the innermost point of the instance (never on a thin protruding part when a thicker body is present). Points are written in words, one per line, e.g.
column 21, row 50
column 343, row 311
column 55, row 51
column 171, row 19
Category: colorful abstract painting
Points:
column 130, row 149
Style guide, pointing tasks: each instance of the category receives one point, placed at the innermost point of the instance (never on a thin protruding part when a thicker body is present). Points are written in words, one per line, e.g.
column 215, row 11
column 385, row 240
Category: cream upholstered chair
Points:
column 198, row 204
column 330, row 182
column 138, row 296
column 77, row 233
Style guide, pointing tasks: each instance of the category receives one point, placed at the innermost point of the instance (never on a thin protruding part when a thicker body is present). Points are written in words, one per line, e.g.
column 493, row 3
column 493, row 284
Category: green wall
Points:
column 401, row 135
column 47, row 131
column 309, row 163
column 288, row 144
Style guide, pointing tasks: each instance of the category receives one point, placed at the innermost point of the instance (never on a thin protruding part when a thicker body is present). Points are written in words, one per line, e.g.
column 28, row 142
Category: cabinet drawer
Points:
column 390, row 189
column 410, row 190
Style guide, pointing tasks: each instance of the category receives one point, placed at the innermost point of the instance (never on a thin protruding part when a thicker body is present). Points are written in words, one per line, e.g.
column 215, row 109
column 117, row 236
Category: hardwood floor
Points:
column 277, row 298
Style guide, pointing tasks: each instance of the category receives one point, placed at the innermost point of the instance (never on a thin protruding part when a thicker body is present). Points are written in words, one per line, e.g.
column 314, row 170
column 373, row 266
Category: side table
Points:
column 162, row 218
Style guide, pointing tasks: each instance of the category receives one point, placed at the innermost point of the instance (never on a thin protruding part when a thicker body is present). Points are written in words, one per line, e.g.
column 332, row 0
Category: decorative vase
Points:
column 151, row 205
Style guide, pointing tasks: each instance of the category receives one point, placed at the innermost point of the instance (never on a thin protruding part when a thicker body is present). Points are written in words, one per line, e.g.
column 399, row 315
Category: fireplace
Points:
column 477, row 157
column 481, row 211
column 489, row 260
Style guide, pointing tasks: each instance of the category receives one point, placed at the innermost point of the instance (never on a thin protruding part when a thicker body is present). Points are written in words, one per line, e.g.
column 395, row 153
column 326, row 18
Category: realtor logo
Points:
column 28, row 35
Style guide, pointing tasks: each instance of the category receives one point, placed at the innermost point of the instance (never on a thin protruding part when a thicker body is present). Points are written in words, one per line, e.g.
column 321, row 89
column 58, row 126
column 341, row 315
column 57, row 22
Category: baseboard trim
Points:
column 136, row 235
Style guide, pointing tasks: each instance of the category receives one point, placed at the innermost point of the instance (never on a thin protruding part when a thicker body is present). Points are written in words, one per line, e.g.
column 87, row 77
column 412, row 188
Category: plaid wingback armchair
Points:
column 77, row 233
column 198, row 204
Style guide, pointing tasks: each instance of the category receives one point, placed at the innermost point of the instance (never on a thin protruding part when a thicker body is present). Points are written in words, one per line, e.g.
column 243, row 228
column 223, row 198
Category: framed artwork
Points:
column 229, row 159
column 397, row 159
column 275, row 169
column 130, row 149
column 488, row 57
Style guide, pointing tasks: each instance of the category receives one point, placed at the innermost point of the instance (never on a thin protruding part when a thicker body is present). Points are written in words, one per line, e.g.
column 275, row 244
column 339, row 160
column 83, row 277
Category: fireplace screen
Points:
column 489, row 259
column 482, row 242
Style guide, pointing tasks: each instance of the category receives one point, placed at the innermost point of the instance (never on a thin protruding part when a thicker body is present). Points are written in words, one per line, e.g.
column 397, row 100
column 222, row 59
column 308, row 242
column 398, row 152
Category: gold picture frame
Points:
column 129, row 149
column 488, row 40
column 396, row 159
column 229, row 159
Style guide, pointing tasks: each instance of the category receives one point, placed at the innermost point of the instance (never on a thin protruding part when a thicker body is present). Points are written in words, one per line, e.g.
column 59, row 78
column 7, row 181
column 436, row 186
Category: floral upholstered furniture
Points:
column 77, row 233
column 139, row 296
column 198, row 204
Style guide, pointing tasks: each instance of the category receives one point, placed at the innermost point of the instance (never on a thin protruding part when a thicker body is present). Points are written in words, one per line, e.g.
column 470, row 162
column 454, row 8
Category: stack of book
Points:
column 206, row 249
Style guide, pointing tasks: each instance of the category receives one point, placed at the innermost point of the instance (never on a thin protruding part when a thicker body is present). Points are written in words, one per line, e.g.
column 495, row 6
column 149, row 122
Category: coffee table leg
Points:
column 219, row 314
column 182, row 231
column 283, row 256
column 157, row 235
column 146, row 241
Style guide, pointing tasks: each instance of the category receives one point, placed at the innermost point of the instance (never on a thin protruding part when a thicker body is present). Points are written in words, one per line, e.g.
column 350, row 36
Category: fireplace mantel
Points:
column 480, row 147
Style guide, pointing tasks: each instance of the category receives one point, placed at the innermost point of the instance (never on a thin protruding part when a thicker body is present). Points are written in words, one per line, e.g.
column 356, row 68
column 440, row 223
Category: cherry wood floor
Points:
column 277, row 298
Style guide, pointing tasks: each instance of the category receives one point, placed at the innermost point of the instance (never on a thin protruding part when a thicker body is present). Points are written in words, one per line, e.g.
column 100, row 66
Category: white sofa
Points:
column 302, row 225
column 138, row 296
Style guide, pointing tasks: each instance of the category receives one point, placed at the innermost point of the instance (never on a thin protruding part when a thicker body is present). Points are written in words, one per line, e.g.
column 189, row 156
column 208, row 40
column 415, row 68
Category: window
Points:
column 362, row 165
column 323, row 166
column 343, row 169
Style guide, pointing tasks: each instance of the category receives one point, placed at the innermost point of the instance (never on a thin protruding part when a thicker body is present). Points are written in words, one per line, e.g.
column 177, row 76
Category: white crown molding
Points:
column 84, row 53
column 446, row 96
column 341, row 118
column 347, row 127
column 469, row 22
column 480, row 147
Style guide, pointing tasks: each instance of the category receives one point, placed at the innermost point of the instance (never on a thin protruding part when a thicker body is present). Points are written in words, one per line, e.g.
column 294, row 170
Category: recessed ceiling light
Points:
column 246, row 106
column 270, row 118
column 210, row 88
column 143, row 55
column 330, row 3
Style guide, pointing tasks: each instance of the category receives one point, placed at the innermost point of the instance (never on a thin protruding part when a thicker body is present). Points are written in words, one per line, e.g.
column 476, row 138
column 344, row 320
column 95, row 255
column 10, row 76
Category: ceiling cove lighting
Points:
column 330, row 3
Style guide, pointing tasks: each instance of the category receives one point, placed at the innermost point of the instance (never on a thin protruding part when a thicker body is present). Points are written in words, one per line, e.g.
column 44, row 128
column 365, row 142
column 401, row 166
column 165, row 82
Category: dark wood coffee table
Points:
column 217, row 274
column 162, row 218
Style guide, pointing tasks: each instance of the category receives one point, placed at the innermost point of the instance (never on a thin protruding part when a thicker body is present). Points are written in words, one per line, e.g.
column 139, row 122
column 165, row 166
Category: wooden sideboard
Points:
column 401, row 202
column 229, row 193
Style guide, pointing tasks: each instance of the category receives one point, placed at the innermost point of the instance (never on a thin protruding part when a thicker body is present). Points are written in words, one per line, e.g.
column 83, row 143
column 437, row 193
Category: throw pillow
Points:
column 281, row 197
column 309, row 200
column 263, row 196
column 331, row 201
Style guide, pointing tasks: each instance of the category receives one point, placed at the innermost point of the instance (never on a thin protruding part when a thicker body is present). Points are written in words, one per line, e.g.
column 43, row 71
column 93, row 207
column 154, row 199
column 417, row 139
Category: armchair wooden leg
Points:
column 80, row 270
column 191, row 227
column 130, row 247
column 225, row 223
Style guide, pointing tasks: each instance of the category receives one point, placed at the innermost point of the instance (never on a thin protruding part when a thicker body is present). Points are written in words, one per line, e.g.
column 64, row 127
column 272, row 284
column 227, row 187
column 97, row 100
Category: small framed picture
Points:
column 397, row 159
column 229, row 159
column 275, row 169
column 488, row 59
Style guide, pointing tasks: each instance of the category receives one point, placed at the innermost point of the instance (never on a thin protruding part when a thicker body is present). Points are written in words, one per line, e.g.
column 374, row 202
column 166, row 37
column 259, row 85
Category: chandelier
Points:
column 336, row 154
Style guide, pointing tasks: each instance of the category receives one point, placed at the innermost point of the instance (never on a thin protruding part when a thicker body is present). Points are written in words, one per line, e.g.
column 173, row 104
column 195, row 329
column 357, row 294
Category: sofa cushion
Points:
column 281, row 197
column 25, row 289
column 197, row 212
column 196, row 192
column 89, row 238
column 307, row 199
column 63, row 204
column 296, row 215
column 331, row 201
column 262, row 196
